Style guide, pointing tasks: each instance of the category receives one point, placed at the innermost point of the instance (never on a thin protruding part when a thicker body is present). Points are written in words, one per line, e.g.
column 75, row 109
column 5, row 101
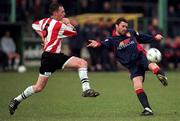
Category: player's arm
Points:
column 145, row 38
column 36, row 26
column 67, row 29
column 106, row 43
column 94, row 43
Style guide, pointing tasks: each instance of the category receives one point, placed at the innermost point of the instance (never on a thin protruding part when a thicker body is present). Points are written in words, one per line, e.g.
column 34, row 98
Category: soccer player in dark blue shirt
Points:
column 126, row 43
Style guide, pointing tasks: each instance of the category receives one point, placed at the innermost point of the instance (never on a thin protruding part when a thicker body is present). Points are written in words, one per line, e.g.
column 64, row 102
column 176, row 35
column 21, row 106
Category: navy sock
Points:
column 142, row 98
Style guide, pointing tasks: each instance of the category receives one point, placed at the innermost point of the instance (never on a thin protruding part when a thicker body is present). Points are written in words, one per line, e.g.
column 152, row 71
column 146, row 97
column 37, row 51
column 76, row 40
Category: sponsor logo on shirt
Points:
column 125, row 43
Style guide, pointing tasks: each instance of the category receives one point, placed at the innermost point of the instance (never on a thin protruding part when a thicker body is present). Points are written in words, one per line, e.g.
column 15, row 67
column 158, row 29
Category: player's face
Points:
column 60, row 13
column 122, row 28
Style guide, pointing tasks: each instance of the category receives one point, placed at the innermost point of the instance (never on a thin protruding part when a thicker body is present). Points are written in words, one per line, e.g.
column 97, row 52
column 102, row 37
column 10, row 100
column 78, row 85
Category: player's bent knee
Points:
column 82, row 63
column 76, row 62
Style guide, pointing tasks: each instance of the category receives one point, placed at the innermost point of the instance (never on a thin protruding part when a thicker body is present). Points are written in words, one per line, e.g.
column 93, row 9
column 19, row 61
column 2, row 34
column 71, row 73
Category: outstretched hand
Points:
column 93, row 43
column 158, row 37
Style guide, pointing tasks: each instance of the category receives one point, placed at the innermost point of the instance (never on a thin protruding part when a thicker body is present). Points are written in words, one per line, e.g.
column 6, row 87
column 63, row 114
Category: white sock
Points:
column 85, row 86
column 26, row 93
column 84, row 79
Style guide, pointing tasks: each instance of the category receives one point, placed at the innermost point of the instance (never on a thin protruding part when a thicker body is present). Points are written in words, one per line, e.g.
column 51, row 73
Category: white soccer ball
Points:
column 21, row 69
column 154, row 55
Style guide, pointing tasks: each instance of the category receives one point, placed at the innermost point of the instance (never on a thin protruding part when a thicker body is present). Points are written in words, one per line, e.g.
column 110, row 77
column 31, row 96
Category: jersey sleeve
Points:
column 66, row 31
column 37, row 25
column 107, row 43
column 143, row 38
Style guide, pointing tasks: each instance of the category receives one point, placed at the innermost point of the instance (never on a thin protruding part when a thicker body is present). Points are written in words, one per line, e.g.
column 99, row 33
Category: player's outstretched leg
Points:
column 38, row 87
column 159, row 73
column 16, row 101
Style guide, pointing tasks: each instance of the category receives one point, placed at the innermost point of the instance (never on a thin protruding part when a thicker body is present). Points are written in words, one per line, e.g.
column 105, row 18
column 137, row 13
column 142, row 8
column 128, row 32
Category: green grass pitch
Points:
column 61, row 100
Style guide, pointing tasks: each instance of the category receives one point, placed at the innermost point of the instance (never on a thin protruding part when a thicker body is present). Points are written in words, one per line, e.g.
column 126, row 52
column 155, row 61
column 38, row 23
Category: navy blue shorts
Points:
column 139, row 67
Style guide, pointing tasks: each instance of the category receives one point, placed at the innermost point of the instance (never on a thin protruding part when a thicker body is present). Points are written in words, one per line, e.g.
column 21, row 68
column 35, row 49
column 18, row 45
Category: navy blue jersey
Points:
column 126, row 48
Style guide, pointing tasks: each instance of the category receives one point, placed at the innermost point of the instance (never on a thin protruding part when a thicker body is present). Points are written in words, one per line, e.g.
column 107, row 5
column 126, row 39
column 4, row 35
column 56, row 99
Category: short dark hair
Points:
column 54, row 7
column 119, row 20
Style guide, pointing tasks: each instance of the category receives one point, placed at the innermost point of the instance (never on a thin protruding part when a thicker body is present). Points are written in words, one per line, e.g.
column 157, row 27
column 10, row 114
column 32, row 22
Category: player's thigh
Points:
column 136, row 71
column 138, row 82
column 143, row 62
column 75, row 62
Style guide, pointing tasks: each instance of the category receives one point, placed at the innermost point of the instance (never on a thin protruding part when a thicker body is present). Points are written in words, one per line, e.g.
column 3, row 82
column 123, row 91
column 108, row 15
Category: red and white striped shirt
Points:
column 53, row 32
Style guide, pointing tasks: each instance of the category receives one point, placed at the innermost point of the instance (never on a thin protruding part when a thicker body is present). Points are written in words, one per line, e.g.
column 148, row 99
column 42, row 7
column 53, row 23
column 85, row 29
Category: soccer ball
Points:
column 21, row 69
column 154, row 55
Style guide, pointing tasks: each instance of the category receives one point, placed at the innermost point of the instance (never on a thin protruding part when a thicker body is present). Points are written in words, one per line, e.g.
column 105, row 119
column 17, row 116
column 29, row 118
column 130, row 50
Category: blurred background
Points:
column 93, row 19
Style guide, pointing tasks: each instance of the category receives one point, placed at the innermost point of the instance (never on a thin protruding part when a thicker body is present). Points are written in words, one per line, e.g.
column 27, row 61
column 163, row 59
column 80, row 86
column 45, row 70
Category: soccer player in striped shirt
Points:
column 52, row 30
